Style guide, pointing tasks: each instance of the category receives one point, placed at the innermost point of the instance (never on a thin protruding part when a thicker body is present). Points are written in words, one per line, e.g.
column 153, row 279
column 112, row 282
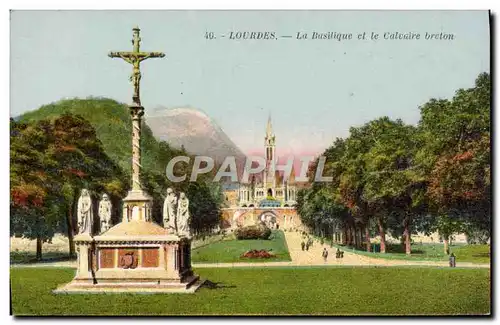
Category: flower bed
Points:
column 254, row 253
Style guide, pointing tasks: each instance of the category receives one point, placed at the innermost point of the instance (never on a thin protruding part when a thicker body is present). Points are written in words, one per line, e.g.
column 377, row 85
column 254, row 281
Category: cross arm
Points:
column 152, row 54
column 137, row 55
column 119, row 54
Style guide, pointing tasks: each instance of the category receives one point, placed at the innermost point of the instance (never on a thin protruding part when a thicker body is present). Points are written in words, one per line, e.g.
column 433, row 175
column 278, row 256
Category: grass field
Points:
column 228, row 251
column 472, row 253
column 30, row 257
column 429, row 252
column 273, row 291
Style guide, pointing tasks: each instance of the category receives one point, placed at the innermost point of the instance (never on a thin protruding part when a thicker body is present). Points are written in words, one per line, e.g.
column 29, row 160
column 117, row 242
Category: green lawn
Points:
column 280, row 291
column 472, row 253
column 429, row 252
column 20, row 257
column 229, row 251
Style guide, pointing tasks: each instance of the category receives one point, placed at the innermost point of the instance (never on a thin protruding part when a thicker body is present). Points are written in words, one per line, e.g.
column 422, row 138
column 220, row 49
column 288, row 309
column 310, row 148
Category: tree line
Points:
column 56, row 151
column 396, row 178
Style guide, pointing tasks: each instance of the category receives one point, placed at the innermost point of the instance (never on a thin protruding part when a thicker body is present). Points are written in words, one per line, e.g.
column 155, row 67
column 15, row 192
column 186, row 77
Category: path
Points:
column 313, row 256
column 302, row 258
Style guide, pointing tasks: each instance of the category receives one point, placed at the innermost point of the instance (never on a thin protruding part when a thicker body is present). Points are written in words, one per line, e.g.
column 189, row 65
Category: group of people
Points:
column 308, row 242
column 338, row 254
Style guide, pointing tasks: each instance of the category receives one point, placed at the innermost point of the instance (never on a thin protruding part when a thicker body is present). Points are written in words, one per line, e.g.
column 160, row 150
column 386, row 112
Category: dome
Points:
column 136, row 228
column 269, row 204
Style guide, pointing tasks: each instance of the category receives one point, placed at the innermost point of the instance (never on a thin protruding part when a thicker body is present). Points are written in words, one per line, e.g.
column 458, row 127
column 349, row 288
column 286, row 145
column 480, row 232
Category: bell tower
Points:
column 270, row 149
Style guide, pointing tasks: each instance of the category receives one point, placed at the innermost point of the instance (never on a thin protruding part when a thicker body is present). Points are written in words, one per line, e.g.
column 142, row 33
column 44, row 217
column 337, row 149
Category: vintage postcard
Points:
column 267, row 163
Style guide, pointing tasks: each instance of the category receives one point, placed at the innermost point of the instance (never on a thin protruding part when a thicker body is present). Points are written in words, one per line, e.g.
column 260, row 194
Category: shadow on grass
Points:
column 215, row 285
column 30, row 257
column 425, row 250
column 399, row 249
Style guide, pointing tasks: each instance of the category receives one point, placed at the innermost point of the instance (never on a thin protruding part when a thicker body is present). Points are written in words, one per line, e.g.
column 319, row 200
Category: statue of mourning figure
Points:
column 105, row 213
column 176, row 216
column 169, row 211
column 183, row 216
column 85, row 216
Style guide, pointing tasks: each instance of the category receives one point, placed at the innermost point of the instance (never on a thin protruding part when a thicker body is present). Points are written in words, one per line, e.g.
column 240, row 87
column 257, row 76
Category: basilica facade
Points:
column 269, row 189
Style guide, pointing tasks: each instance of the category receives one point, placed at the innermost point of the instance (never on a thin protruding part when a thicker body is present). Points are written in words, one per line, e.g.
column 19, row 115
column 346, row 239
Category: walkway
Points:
column 313, row 256
column 302, row 258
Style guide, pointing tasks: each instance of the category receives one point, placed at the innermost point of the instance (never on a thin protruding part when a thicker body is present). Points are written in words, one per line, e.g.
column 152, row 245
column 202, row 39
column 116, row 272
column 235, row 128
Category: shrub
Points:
column 253, row 232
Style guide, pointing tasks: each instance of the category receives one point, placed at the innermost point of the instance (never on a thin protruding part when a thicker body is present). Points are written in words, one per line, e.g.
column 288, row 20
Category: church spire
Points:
column 269, row 128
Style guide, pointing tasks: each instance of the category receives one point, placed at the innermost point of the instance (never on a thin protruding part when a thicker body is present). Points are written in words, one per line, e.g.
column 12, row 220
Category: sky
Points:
column 314, row 90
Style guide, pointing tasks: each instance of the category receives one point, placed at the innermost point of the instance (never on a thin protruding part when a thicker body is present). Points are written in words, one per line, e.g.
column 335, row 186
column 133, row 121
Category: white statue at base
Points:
column 105, row 213
column 183, row 217
column 169, row 211
column 85, row 217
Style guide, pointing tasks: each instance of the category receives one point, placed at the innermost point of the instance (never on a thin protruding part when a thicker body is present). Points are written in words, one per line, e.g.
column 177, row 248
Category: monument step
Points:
column 187, row 287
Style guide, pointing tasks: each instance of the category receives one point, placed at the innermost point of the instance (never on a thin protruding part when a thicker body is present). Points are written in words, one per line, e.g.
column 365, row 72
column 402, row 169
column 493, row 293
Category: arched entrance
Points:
column 269, row 218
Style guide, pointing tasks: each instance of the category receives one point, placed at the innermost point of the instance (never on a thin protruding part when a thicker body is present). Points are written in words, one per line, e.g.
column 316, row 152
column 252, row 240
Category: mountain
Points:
column 195, row 131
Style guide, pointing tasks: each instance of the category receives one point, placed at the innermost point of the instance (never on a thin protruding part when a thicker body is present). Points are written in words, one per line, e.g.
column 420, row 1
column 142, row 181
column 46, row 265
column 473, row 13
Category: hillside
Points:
column 113, row 126
column 112, row 122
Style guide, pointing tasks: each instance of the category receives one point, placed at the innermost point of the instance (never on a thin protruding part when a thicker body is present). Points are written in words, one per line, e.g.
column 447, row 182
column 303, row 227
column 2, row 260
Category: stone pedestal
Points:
column 84, row 247
column 135, row 256
column 137, row 205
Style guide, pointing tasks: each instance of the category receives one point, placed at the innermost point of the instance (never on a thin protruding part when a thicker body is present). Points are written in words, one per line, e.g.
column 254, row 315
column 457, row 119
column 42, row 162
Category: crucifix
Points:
column 135, row 58
column 137, row 111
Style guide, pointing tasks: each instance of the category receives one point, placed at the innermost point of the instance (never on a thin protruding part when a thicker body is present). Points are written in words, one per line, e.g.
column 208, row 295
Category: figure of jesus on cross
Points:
column 135, row 57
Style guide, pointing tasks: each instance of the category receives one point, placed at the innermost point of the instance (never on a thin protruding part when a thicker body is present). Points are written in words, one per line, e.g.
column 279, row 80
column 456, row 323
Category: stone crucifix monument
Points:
column 137, row 203
column 136, row 255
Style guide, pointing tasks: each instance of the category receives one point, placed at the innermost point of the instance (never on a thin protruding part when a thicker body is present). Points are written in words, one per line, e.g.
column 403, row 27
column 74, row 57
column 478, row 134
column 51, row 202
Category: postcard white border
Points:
column 198, row 4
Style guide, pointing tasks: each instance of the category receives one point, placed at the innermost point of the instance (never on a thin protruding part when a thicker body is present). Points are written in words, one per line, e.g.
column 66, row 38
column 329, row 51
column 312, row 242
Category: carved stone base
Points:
column 135, row 256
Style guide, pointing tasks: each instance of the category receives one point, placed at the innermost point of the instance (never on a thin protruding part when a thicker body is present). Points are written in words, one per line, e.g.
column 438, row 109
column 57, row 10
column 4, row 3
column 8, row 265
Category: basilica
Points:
column 268, row 189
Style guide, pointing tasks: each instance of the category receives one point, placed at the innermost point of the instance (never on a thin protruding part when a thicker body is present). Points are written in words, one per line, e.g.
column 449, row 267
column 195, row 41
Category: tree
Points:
column 455, row 156
column 51, row 160
column 390, row 173
column 33, row 184
column 320, row 207
column 82, row 163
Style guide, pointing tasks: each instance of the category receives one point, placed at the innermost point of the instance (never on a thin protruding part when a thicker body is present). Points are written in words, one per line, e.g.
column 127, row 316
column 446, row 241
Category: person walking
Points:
column 303, row 245
column 325, row 254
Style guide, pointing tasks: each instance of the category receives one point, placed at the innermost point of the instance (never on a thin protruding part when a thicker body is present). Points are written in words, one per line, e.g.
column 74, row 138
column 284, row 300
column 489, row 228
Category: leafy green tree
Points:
column 69, row 156
column 354, row 179
column 320, row 207
column 391, row 176
column 33, row 183
column 82, row 163
column 455, row 156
